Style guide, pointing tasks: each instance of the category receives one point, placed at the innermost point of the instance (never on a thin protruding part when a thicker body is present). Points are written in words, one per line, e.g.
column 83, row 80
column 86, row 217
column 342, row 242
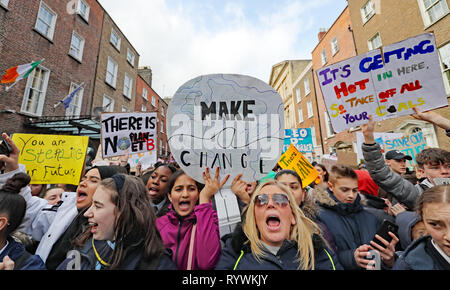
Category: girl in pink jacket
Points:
column 191, row 227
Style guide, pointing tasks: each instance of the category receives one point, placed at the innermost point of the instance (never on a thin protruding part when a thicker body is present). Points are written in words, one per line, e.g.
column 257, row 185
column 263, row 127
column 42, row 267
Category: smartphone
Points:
column 5, row 149
column 384, row 230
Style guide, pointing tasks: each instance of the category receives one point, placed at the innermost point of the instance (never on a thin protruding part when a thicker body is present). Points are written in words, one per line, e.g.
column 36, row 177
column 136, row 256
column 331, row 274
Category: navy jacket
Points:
column 237, row 255
column 15, row 251
column 133, row 261
column 350, row 224
column 421, row 255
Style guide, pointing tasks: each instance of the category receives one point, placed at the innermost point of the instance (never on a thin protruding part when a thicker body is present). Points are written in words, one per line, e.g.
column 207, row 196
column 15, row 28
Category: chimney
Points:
column 322, row 33
column 146, row 73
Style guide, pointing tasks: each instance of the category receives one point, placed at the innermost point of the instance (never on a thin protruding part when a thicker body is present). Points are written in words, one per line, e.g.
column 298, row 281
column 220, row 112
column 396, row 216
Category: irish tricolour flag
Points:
column 19, row 72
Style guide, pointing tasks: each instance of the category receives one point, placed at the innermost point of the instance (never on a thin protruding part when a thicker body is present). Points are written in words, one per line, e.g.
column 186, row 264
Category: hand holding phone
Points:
column 384, row 242
column 9, row 154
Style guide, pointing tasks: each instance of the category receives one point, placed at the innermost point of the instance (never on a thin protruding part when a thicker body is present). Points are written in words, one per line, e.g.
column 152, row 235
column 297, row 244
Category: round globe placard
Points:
column 230, row 121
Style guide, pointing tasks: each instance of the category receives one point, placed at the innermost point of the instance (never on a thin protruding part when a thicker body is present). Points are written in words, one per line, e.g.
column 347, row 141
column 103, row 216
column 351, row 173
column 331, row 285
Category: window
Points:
column 143, row 108
column 34, row 98
column 334, row 46
column 313, row 136
column 298, row 94
column 111, row 72
column 310, row 109
column 433, row 10
column 324, row 57
column 444, row 53
column 83, row 9
column 145, row 93
column 367, row 11
column 153, row 101
column 374, row 42
column 162, row 126
column 125, row 109
column 127, row 86
column 307, row 88
column 74, row 108
column 162, row 111
column 46, row 21
column 115, row 39
column 130, row 57
column 76, row 46
column 108, row 104
column 4, row 3
column 300, row 115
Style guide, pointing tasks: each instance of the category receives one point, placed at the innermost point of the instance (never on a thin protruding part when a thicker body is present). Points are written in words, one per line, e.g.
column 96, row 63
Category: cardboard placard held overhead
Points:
column 52, row 159
column 128, row 132
column 294, row 160
column 385, row 83
column 347, row 158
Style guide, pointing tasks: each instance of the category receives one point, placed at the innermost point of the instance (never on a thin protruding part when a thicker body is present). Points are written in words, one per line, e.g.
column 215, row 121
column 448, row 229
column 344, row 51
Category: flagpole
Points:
column 7, row 88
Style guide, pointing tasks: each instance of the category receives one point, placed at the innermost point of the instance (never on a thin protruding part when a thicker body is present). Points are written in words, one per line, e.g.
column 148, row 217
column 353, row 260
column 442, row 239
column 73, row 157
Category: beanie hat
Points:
column 366, row 184
column 109, row 171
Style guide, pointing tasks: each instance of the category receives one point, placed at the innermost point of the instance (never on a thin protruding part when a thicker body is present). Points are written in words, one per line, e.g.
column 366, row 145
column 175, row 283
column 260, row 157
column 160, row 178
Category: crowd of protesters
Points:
column 163, row 219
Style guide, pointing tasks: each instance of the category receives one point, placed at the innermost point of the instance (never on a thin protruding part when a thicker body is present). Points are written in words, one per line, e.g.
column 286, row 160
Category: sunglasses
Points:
column 278, row 198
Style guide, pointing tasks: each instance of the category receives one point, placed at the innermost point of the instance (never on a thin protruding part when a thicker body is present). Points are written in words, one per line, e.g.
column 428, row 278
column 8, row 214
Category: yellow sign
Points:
column 294, row 160
column 52, row 159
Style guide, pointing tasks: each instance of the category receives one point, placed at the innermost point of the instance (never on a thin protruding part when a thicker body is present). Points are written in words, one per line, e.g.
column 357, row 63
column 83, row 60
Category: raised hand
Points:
column 212, row 185
column 11, row 161
column 239, row 188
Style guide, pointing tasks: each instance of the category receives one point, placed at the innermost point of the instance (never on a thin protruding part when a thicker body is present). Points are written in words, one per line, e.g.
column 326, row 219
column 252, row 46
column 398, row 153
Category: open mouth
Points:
column 153, row 190
column 94, row 227
column 184, row 205
column 81, row 196
column 273, row 222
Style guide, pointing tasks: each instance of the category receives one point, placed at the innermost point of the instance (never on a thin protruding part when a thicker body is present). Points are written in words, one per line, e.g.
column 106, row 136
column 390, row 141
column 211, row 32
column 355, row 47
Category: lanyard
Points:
column 98, row 256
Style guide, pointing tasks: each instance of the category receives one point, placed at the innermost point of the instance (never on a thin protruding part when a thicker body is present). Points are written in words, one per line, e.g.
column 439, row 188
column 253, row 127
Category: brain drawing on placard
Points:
column 234, row 122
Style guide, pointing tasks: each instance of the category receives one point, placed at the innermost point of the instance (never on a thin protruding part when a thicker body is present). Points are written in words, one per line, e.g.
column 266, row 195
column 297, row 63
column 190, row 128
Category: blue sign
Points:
column 301, row 138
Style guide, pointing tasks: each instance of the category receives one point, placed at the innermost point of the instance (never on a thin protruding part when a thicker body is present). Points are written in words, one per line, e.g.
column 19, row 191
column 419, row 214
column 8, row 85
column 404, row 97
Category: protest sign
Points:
column 347, row 158
column 385, row 83
column 410, row 145
column 294, row 160
column 301, row 138
column 147, row 159
column 132, row 132
column 230, row 121
column 380, row 137
column 52, row 159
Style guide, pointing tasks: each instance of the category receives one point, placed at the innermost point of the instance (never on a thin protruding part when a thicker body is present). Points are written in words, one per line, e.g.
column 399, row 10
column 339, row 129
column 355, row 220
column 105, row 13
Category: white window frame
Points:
column 328, row 126
column 298, row 94
column 131, row 57
column 323, row 56
column 74, row 108
column 127, row 86
column 125, row 109
column 113, row 81
column 153, row 101
column 300, row 115
column 145, row 93
column 445, row 63
column 426, row 16
column 143, row 108
column 85, row 15
column 370, row 41
column 313, row 136
column 119, row 39
column 310, row 108
column 162, row 111
column 108, row 104
column 367, row 14
column 42, row 91
column 4, row 3
column 162, row 126
column 307, row 86
column 334, row 46
column 51, row 26
column 79, row 57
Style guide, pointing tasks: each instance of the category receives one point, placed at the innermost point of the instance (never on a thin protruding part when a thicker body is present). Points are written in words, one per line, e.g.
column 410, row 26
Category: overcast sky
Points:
column 183, row 39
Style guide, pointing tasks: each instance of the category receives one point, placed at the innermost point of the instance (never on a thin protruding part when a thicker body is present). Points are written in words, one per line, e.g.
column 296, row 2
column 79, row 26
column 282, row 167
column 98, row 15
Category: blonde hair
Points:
column 301, row 233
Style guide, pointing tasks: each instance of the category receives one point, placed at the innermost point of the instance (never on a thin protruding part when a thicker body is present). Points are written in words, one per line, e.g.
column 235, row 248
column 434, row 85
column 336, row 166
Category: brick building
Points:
column 376, row 23
column 116, row 74
column 147, row 100
column 335, row 44
column 306, row 108
column 68, row 41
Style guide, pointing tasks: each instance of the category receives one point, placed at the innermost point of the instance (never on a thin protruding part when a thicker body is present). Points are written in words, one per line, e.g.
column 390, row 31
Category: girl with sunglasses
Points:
column 279, row 236
column 191, row 227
